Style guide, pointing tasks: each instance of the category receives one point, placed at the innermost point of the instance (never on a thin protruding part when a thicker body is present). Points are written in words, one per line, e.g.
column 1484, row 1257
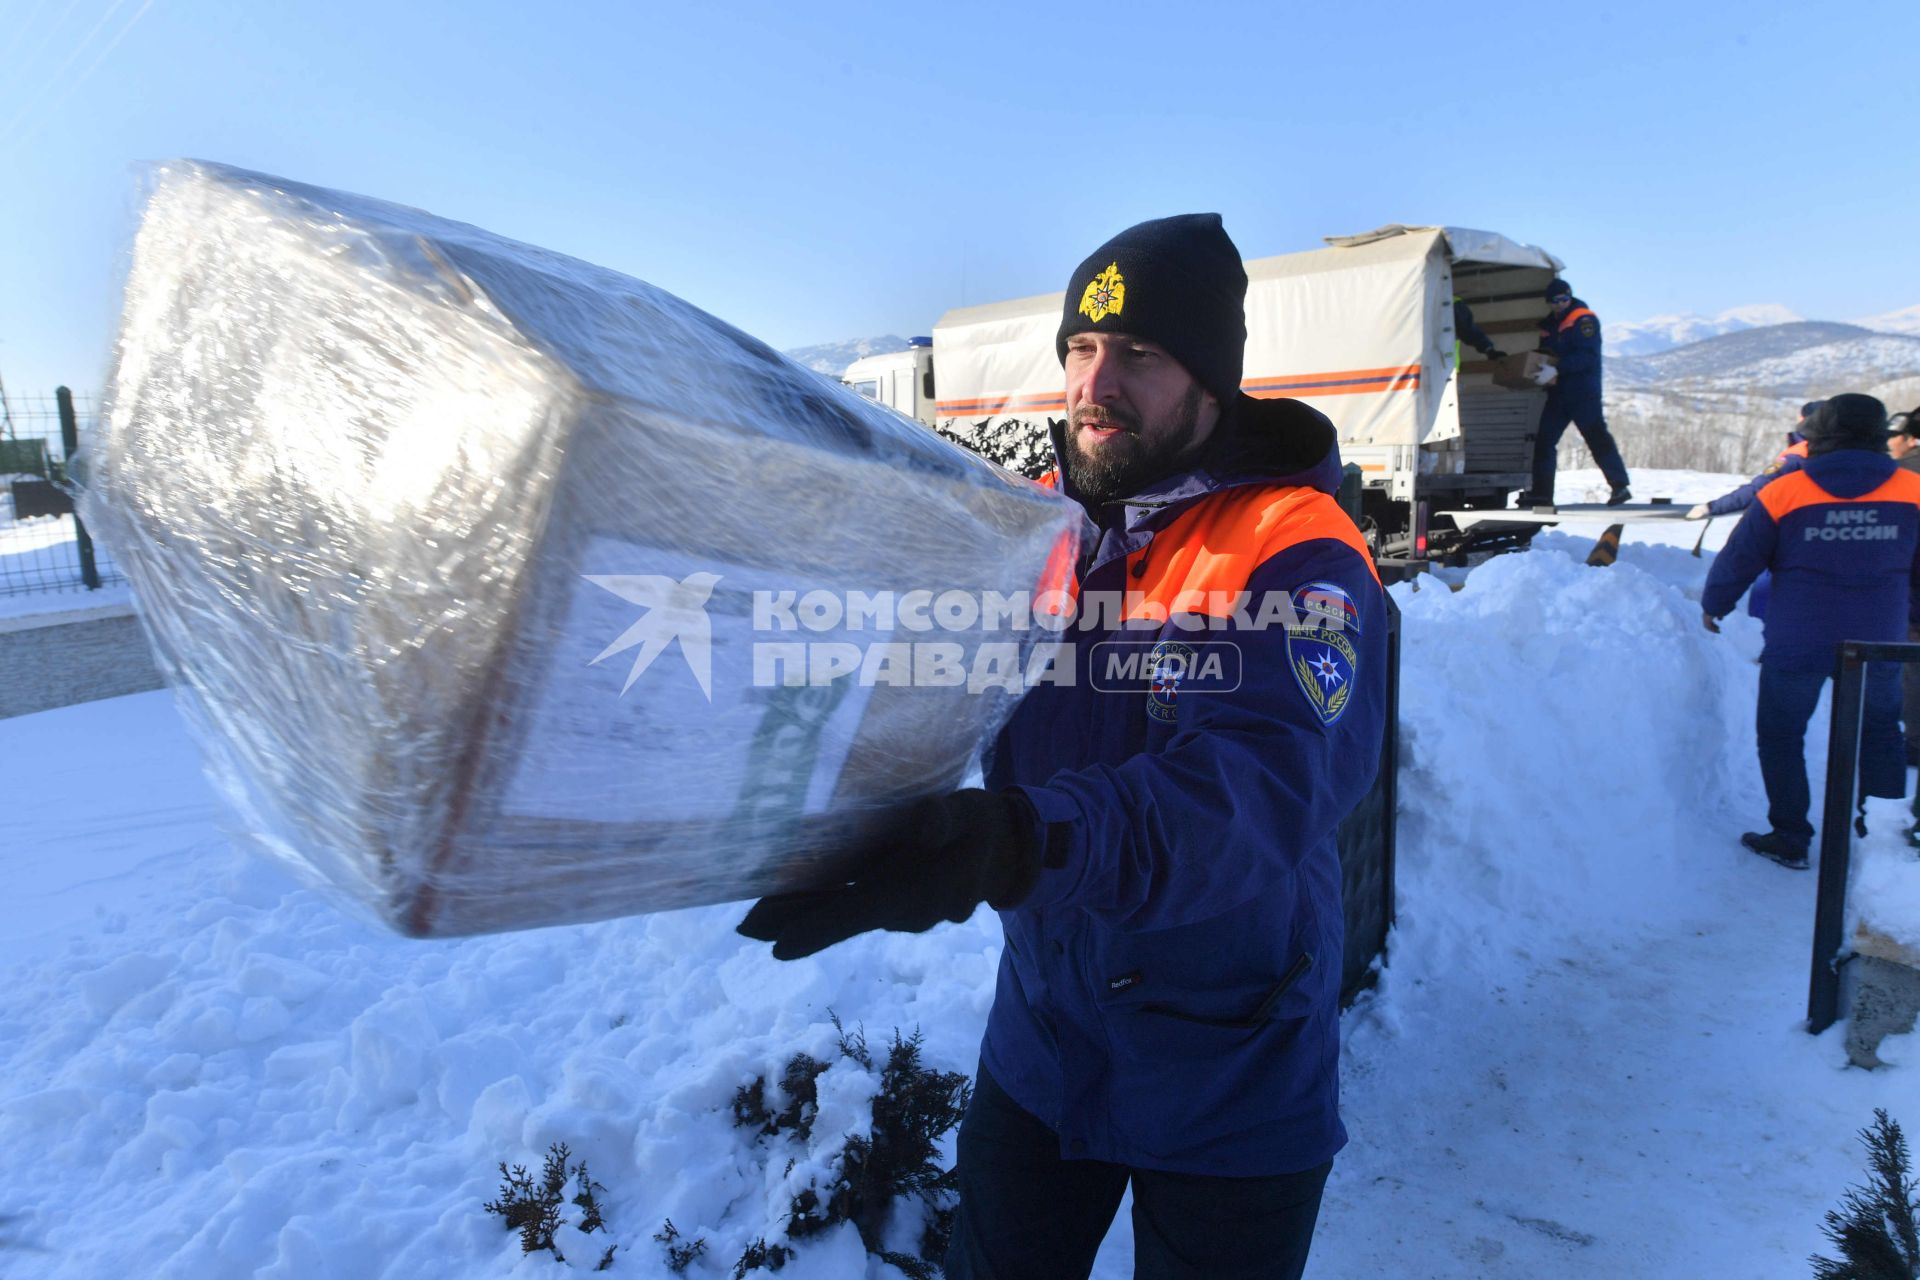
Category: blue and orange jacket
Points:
column 1842, row 539
column 1168, row 995
column 1573, row 340
column 1788, row 461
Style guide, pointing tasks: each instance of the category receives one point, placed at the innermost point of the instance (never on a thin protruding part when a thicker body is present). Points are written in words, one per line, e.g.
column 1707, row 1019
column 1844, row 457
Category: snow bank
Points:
column 1585, row 1057
column 1561, row 724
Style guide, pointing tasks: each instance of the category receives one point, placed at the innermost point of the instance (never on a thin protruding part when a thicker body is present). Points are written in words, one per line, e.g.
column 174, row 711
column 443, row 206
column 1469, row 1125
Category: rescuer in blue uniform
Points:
column 1841, row 537
column 1161, row 845
column 1903, row 442
column 1571, row 335
column 1787, row 461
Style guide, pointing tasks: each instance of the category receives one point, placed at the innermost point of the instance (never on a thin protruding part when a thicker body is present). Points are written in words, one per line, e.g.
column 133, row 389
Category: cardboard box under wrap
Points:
column 1520, row 370
column 450, row 547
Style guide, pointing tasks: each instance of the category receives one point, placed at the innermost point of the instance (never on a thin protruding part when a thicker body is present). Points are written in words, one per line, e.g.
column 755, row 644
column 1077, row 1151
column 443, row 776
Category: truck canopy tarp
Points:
column 1363, row 330
column 1465, row 244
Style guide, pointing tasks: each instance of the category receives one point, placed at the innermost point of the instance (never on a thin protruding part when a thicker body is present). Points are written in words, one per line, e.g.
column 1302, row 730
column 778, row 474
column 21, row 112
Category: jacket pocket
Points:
column 1257, row 1017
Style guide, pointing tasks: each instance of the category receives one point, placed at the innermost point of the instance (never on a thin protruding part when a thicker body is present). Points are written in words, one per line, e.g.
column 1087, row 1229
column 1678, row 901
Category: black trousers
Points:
column 1028, row 1214
column 1787, row 702
column 1583, row 410
column 1910, row 706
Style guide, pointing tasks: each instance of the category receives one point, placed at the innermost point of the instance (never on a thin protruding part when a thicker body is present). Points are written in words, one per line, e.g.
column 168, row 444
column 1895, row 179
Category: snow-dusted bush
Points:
column 680, row 1251
column 861, row 1178
column 538, row 1210
column 1877, row 1234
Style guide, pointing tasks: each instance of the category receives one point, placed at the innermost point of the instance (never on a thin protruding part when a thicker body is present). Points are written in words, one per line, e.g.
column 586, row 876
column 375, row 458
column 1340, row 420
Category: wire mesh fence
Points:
column 43, row 545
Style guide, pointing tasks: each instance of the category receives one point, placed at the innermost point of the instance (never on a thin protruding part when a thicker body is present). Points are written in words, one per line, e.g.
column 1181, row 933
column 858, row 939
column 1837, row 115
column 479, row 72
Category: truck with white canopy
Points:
column 1364, row 331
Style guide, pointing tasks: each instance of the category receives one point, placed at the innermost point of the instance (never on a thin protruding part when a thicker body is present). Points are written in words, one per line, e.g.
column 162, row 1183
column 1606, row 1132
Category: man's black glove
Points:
column 932, row 860
column 1495, row 353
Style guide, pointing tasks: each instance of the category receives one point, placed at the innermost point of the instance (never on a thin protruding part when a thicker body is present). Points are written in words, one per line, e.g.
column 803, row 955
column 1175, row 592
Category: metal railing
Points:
column 1836, row 822
column 1369, row 844
column 44, row 546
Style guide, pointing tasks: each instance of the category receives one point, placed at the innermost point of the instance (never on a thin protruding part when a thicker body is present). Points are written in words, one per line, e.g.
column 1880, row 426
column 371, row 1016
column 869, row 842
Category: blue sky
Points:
column 814, row 173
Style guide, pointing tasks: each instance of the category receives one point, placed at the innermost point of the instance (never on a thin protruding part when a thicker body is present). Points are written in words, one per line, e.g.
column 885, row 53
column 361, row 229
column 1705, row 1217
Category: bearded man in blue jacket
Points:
column 1159, row 835
column 1841, row 537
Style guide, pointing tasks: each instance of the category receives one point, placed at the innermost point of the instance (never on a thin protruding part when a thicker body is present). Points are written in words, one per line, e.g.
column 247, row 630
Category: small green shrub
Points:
column 1877, row 1235
column 680, row 1252
column 533, row 1209
column 897, row 1160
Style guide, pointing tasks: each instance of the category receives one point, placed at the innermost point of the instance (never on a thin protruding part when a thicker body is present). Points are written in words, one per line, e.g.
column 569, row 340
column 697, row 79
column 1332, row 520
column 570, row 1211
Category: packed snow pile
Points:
column 1584, row 1058
column 409, row 509
column 1885, row 895
column 1581, row 711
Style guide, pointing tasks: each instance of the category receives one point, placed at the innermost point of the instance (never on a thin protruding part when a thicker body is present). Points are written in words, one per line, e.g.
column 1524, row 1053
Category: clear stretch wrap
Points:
column 504, row 590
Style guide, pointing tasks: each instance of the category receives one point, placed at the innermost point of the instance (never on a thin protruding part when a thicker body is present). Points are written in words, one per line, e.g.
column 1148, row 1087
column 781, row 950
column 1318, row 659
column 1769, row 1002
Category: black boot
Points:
column 1620, row 495
column 1784, row 850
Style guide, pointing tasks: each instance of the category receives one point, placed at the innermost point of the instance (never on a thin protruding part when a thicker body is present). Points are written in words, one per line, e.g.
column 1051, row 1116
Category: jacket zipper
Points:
column 1260, row 1014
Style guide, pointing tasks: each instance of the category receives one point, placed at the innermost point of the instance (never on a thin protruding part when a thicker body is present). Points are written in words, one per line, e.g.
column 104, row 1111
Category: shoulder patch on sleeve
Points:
column 1589, row 328
column 1320, row 648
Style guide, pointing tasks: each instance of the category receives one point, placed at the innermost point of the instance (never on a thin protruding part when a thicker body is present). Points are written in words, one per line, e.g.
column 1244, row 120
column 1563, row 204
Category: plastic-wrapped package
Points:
column 504, row 590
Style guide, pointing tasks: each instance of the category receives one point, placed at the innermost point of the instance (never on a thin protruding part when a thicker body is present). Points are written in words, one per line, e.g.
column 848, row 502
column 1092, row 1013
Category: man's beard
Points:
column 1125, row 464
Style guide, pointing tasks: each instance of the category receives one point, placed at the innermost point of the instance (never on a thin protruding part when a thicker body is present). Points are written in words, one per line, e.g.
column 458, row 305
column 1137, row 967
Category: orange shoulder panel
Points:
column 1901, row 486
column 1049, row 479
column 1798, row 450
column 1791, row 492
column 1205, row 558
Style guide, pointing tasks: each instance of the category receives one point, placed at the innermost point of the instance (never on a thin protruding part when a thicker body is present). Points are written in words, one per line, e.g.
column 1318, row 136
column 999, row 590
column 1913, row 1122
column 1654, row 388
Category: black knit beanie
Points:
column 1849, row 421
column 1174, row 281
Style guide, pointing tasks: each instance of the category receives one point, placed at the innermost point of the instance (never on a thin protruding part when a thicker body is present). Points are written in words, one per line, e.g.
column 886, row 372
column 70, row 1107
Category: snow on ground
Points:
column 42, row 553
column 36, row 604
column 1584, row 1059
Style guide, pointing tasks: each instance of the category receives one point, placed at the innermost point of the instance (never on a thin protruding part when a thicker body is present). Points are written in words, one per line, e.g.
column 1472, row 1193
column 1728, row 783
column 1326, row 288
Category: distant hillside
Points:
column 1725, row 404
column 1906, row 320
column 832, row 358
column 1663, row 333
column 1782, row 359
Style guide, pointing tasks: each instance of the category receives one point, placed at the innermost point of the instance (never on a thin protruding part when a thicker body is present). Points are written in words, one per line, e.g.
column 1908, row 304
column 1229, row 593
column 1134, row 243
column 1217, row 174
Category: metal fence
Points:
column 1830, row 950
column 1369, row 844
column 44, row 547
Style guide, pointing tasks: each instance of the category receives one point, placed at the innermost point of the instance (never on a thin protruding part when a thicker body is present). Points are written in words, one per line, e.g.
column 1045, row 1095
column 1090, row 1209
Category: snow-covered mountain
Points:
column 1663, row 333
column 1813, row 357
column 1906, row 320
column 1725, row 403
column 832, row 358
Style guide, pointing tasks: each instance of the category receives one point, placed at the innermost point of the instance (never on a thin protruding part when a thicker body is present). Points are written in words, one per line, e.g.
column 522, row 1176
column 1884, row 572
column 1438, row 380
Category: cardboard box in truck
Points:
column 1524, row 370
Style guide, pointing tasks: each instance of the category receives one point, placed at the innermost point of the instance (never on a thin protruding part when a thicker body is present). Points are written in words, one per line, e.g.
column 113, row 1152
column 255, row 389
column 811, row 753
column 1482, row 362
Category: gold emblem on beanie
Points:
column 1106, row 294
